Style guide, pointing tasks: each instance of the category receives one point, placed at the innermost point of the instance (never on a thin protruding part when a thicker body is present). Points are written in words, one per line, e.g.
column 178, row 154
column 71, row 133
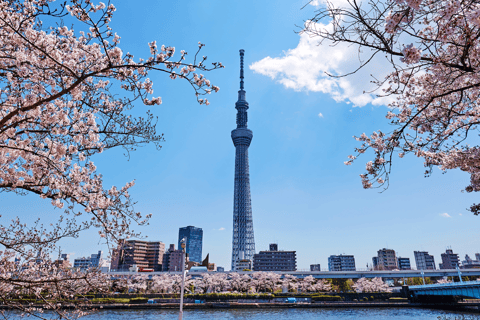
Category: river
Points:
column 286, row 313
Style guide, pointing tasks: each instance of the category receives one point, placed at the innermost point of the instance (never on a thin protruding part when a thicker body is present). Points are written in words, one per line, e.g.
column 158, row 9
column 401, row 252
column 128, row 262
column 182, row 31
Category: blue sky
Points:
column 303, row 196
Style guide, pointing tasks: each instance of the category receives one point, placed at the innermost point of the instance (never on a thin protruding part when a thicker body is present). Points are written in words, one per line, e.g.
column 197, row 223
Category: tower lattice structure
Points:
column 243, row 243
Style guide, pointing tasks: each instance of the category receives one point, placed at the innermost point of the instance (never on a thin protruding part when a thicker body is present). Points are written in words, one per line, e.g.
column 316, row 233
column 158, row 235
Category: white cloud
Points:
column 320, row 115
column 304, row 69
column 221, row 229
column 335, row 3
column 445, row 215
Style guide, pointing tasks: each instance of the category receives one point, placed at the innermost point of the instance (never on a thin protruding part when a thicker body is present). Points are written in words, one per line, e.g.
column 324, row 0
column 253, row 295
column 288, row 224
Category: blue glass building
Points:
column 194, row 242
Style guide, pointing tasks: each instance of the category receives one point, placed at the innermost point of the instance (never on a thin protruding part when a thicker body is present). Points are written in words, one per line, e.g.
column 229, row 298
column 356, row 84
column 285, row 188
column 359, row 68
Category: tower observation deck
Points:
column 243, row 243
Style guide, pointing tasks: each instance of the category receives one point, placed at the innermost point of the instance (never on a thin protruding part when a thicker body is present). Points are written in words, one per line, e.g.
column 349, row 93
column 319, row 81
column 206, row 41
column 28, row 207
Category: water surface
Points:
column 290, row 314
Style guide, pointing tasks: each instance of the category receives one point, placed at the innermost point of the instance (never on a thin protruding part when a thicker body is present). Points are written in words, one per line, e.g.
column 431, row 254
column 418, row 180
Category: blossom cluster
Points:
column 257, row 282
column 411, row 54
column 364, row 285
column 57, row 110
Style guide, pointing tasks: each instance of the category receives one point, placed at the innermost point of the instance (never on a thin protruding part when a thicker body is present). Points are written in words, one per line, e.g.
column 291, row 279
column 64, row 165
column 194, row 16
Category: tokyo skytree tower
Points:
column 243, row 243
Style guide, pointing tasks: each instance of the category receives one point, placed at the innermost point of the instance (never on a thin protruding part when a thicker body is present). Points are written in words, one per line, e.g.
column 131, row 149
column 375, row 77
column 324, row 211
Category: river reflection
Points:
column 290, row 314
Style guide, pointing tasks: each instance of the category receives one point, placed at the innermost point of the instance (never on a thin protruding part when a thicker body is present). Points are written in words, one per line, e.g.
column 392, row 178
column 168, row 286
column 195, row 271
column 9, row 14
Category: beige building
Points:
column 385, row 260
column 143, row 254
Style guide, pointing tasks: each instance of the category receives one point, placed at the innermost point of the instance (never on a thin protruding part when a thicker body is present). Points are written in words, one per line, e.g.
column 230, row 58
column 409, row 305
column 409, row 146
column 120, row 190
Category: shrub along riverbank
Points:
column 222, row 297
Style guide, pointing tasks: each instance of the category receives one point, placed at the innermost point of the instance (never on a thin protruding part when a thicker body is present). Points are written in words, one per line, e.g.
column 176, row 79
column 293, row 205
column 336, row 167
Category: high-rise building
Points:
column 243, row 242
column 315, row 267
column 143, row 254
column 450, row 260
column 275, row 260
column 404, row 263
column 341, row 263
column 424, row 261
column 194, row 242
column 84, row 263
column 386, row 259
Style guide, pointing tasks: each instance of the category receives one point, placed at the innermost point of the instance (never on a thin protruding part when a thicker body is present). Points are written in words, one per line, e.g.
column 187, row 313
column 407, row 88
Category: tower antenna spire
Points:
column 242, row 52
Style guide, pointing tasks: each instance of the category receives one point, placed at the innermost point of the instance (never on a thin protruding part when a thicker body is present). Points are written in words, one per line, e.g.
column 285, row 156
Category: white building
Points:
column 94, row 261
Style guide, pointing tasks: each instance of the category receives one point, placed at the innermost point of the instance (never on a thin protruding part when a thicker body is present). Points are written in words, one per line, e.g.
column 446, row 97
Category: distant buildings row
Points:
column 386, row 259
column 152, row 256
column 139, row 255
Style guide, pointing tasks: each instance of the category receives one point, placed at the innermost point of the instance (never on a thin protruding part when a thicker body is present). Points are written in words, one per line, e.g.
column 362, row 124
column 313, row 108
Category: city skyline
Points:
column 301, row 190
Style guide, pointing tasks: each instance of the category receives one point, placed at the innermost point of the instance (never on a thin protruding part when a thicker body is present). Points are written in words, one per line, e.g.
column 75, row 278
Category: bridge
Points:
column 389, row 274
column 443, row 291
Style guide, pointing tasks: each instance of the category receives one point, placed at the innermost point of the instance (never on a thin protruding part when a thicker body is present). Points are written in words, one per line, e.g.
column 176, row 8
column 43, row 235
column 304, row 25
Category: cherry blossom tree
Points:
column 161, row 283
column 310, row 284
column 322, row 285
column 432, row 47
column 204, row 284
column 138, row 283
column 220, row 282
column 443, row 281
column 265, row 281
column 42, row 282
column 289, row 282
column 66, row 95
column 307, row 284
column 240, row 282
column 364, row 285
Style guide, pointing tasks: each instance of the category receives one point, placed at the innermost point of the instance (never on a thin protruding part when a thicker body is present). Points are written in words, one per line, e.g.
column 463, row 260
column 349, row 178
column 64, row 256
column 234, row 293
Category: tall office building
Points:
column 450, row 260
column 424, row 261
column 243, row 242
column 341, row 263
column 194, row 242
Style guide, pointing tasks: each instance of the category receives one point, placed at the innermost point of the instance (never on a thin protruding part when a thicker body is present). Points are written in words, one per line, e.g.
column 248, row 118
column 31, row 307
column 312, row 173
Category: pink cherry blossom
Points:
column 434, row 52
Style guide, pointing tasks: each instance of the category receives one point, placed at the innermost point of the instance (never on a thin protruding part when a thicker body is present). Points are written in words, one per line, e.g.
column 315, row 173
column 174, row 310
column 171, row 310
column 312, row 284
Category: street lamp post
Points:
column 180, row 315
column 459, row 273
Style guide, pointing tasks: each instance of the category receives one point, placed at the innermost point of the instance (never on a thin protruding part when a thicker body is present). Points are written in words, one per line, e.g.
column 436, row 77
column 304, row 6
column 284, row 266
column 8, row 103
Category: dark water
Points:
column 290, row 314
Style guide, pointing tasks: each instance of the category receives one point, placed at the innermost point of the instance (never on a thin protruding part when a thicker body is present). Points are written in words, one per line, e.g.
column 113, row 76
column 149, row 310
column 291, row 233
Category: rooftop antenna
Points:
column 242, row 52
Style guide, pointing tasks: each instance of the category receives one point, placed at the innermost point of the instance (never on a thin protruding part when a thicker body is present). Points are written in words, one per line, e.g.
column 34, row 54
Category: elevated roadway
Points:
column 347, row 274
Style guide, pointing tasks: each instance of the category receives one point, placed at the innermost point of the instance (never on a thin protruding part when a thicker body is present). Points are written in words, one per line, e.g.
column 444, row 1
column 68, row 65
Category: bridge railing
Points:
column 448, row 284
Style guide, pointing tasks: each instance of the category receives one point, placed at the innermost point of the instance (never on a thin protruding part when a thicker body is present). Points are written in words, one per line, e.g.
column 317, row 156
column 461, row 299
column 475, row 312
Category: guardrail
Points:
column 443, row 285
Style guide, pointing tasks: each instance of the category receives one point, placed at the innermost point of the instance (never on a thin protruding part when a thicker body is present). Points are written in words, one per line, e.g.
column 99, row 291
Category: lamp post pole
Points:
column 180, row 315
column 459, row 273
